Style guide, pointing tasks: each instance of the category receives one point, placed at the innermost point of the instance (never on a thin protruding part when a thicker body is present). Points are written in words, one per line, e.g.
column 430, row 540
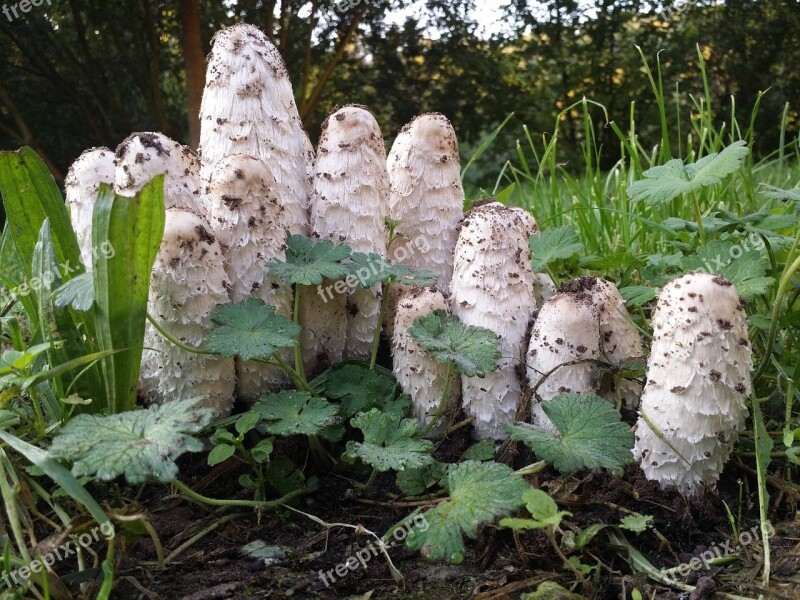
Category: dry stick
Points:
column 199, row 536
column 150, row 529
column 396, row 574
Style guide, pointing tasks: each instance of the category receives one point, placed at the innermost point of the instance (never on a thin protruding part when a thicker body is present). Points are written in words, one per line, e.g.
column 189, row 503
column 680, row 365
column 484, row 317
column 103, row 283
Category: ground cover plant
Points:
column 269, row 376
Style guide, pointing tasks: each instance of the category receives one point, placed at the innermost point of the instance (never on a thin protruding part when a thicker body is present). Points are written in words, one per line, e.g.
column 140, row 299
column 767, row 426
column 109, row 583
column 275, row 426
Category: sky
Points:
column 487, row 14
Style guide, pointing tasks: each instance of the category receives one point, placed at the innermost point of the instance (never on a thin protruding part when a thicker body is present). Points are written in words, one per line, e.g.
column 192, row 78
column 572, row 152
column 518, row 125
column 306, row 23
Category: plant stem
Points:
column 376, row 339
column 763, row 500
column 185, row 489
column 442, row 402
column 532, row 468
column 698, row 215
column 298, row 380
column 298, row 352
column 175, row 340
column 199, row 536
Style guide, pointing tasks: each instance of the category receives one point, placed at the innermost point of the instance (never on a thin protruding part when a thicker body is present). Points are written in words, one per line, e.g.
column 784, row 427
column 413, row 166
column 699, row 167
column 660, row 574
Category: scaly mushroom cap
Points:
column 566, row 331
column 698, row 379
column 249, row 108
column 426, row 195
column 249, row 223
column 492, row 287
column 142, row 156
column 420, row 375
column 619, row 339
column 349, row 205
column 188, row 281
column 93, row 167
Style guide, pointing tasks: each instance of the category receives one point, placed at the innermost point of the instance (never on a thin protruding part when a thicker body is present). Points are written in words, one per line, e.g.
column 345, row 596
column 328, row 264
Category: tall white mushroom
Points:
column 419, row 375
column 566, row 331
column 248, row 221
column 620, row 341
column 492, row 287
column 92, row 168
column 142, row 156
column 188, row 281
column 426, row 195
column 349, row 205
column 698, row 379
column 249, row 108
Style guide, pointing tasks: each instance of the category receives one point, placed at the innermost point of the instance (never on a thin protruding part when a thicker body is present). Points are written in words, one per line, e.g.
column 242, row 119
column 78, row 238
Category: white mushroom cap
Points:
column 93, row 167
column 427, row 196
column 323, row 316
column 188, row 281
column 249, row 108
column 492, row 287
column 249, row 223
column 143, row 156
column 419, row 374
column 349, row 204
column 544, row 288
column 566, row 331
column 698, row 379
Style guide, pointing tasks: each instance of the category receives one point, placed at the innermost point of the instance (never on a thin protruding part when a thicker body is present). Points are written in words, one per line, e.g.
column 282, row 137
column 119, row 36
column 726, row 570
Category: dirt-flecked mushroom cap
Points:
column 420, row 375
column 249, row 108
column 426, row 196
column 563, row 351
column 188, row 281
column 698, row 379
column 492, row 287
column 93, row 168
column 248, row 220
column 142, row 156
column 349, row 205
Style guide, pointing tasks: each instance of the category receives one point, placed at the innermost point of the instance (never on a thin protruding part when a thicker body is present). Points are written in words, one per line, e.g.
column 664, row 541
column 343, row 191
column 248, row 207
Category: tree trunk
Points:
column 194, row 59
column 158, row 111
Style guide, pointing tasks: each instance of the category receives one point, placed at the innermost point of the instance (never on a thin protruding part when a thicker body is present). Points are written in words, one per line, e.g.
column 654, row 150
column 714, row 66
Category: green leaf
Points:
column 551, row 245
column 550, row 590
column 744, row 269
column 473, row 350
column 415, row 482
column 250, row 329
column 360, row 389
column 637, row 295
column 131, row 230
column 590, row 434
column 636, row 523
column 247, row 422
column 140, row 444
column 369, row 269
column 262, row 450
column 389, row 442
column 775, row 193
column 483, row 450
column 666, row 182
column 295, row 413
column 219, row 454
column 543, row 510
column 57, row 473
column 479, row 493
column 284, row 476
column 309, row 261
column 78, row 293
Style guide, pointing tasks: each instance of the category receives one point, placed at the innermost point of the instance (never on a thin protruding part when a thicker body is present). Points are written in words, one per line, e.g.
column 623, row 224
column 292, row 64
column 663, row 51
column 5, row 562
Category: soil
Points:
column 498, row 565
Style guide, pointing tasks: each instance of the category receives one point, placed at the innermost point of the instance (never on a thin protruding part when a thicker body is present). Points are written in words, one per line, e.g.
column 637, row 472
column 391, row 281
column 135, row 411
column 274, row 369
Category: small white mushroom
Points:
column 426, row 196
column 492, row 287
column 93, row 168
column 566, row 331
column 349, row 205
column 698, row 379
column 249, row 108
column 142, row 156
column 188, row 281
column 248, row 221
column 420, row 375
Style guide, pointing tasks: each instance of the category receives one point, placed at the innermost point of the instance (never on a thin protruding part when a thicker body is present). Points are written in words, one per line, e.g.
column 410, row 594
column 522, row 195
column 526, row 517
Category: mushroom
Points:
column 249, row 108
column 188, row 281
column 142, row 156
column 698, row 379
column 248, row 221
column 620, row 341
column 492, row 287
column 419, row 375
column 93, row 167
column 563, row 350
column 349, row 205
column 426, row 195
